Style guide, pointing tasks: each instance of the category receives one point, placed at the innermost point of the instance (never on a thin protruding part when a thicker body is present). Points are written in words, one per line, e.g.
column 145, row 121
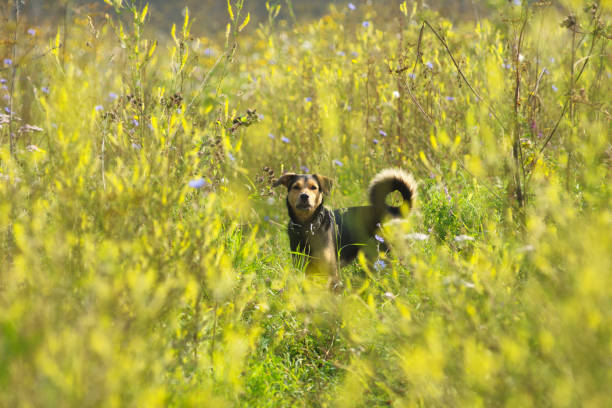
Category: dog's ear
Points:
column 324, row 182
column 286, row 180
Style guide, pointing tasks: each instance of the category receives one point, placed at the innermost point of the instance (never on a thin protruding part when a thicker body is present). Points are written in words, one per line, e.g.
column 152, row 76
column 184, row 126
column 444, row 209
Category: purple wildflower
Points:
column 448, row 196
column 429, row 64
column 231, row 156
column 554, row 88
column 305, row 169
column 136, row 146
column 32, row 31
column 450, row 98
column 351, row 6
column 197, row 183
column 98, row 108
column 375, row 141
column 379, row 265
column 411, row 75
column 112, row 96
column 45, row 89
column 379, row 238
column 7, row 109
column 2, row 81
column 341, row 53
column 366, row 24
column 308, row 99
column 337, row 162
column 285, row 139
column 8, row 62
column 382, row 133
column 135, row 122
column 271, row 136
column 354, row 53
column 506, row 65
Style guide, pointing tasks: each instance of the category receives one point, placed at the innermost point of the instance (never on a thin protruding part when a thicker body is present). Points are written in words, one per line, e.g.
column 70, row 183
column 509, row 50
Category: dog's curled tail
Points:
column 388, row 181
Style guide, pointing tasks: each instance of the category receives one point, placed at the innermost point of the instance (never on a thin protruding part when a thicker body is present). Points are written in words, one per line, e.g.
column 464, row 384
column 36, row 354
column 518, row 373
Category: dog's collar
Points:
column 312, row 226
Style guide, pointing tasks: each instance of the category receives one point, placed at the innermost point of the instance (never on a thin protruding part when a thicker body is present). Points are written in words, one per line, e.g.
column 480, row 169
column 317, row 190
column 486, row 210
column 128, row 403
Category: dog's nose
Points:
column 304, row 197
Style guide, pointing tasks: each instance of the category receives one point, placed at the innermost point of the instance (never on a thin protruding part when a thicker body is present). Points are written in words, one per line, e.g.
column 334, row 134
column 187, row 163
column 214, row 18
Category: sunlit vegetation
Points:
column 143, row 253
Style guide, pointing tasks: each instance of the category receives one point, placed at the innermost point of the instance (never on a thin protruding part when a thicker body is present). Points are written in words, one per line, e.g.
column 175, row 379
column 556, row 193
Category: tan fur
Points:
column 309, row 187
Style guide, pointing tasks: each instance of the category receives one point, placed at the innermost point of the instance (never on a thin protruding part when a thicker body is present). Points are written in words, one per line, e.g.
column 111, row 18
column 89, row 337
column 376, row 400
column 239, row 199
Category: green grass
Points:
column 143, row 254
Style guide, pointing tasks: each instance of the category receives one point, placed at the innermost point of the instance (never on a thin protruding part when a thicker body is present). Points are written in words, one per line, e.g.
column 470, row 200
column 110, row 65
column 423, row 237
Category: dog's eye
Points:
column 313, row 187
column 296, row 187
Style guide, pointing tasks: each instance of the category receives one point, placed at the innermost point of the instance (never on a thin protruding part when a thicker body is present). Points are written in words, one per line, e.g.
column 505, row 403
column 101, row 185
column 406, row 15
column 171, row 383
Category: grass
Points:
column 143, row 253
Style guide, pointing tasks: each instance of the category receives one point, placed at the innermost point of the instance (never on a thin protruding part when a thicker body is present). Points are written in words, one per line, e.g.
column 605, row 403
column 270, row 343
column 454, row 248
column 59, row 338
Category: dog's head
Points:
column 304, row 192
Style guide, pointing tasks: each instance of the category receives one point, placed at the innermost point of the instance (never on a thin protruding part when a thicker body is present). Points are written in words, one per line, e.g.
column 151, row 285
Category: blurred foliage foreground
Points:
column 143, row 255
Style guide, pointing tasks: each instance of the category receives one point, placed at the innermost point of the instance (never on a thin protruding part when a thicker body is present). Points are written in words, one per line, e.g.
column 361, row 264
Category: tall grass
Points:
column 143, row 256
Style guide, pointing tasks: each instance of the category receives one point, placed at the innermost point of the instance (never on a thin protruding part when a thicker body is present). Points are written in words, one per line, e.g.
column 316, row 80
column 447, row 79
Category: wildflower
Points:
column 209, row 52
column 45, row 89
column 521, row 58
column 348, row 108
column 231, row 156
column 266, row 218
column 32, row 148
column 417, row 236
column 396, row 94
column 382, row 133
column 554, row 88
column 7, row 109
column 305, row 169
column 379, row 265
column 270, row 201
column 338, row 162
column 308, row 99
column 98, row 108
column 2, row 81
column 516, row 2
column 341, row 53
column 354, row 53
column 285, row 139
column 366, row 24
column 463, row 237
column 411, row 75
column 260, row 116
column 448, row 196
column 112, row 96
column 450, row 98
column 429, row 64
column 351, row 6
column 375, row 141
column 135, row 122
column 150, row 126
column 197, row 183
column 32, row 31
column 389, row 295
column 270, row 135
column 505, row 65
column 8, row 62
column 379, row 238
column 552, row 60
column 136, row 146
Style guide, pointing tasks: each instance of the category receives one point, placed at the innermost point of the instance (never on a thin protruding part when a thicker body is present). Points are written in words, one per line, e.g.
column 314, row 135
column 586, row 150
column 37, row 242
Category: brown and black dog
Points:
column 326, row 236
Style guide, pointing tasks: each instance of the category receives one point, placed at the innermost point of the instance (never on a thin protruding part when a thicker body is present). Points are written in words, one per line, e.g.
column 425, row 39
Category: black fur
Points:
column 350, row 229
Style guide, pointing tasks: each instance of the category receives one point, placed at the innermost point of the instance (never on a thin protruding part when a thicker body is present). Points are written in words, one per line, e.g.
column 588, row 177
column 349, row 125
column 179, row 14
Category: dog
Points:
column 331, row 237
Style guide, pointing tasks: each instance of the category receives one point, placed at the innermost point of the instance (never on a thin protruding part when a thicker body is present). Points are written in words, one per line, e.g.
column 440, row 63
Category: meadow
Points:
column 143, row 252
